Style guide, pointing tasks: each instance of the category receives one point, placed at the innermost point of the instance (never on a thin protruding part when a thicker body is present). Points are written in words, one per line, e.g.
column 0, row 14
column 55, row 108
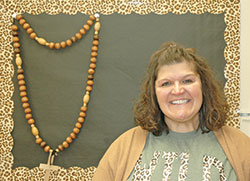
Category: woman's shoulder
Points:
column 233, row 133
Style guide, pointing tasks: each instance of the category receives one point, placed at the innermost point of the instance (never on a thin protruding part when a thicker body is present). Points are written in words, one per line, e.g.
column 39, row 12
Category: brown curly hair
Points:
column 213, row 112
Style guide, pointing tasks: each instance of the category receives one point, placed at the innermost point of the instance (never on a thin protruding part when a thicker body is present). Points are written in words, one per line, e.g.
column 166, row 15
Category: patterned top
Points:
column 183, row 157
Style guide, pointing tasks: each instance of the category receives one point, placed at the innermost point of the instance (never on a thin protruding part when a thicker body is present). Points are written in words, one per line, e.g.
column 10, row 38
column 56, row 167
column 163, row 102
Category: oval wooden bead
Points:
column 78, row 36
column 97, row 26
column 25, row 105
column 76, row 130
column 69, row 140
column 57, row 46
column 65, row 144
column 51, row 45
column 68, row 42
column 20, row 76
column 33, row 35
column 22, row 21
column 80, row 119
column 82, row 114
column 39, row 140
column 46, row 148
column 93, row 60
column 28, row 116
column 90, row 82
column 31, row 121
column 22, row 88
column 41, row 41
column 26, row 26
column 23, row 93
column 83, row 108
column 78, row 125
column 19, row 61
column 63, row 44
column 24, row 99
column 29, row 30
column 89, row 88
column 43, row 144
column 19, row 16
column 82, row 31
column 86, row 98
column 92, row 65
column 15, row 39
column 73, row 135
column 91, row 71
column 95, row 42
column 86, row 27
column 14, row 27
column 34, row 131
column 16, row 45
column 90, row 22
column 27, row 110
column 92, row 17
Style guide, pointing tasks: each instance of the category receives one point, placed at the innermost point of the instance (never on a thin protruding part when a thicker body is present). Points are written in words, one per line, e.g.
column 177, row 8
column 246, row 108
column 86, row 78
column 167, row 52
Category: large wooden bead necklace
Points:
column 22, row 83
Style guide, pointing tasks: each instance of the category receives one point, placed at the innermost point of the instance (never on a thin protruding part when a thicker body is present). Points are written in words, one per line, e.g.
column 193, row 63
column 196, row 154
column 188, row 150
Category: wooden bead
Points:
column 80, row 119
column 86, row 27
column 90, row 82
column 60, row 147
column 69, row 140
column 35, row 131
column 90, row 22
column 82, row 114
column 20, row 76
column 93, row 60
column 43, row 144
column 78, row 125
column 27, row 110
column 22, row 21
column 33, row 35
column 83, row 108
column 86, row 99
column 94, row 48
column 92, row 17
column 14, row 27
column 20, row 71
column 76, row 130
column 24, row 99
column 15, row 33
column 63, row 44
column 46, row 148
column 39, row 140
column 65, row 144
column 92, row 65
column 91, row 71
column 51, row 45
column 78, row 36
column 23, row 93
column 95, row 42
column 22, row 88
column 97, row 26
column 29, row 30
column 96, row 37
column 17, row 50
column 73, row 39
column 89, row 88
column 19, row 61
column 26, row 26
column 19, row 16
column 31, row 121
column 73, row 135
column 16, row 45
column 57, row 46
column 68, row 42
column 15, row 39
column 28, row 116
column 90, row 77
column 21, row 82
column 82, row 31
column 41, row 41
column 25, row 105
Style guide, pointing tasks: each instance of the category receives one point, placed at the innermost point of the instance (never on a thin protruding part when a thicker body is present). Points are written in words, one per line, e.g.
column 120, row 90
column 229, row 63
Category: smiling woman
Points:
column 181, row 134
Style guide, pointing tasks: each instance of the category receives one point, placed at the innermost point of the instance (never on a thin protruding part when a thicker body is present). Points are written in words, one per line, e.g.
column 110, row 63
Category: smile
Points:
column 180, row 101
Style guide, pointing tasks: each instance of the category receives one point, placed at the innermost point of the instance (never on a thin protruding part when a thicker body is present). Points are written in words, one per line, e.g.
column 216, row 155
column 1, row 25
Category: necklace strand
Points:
column 24, row 96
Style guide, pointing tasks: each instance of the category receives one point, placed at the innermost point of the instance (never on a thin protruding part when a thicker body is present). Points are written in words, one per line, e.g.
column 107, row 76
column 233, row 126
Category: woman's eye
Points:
column 187, row 81
column 166, row 83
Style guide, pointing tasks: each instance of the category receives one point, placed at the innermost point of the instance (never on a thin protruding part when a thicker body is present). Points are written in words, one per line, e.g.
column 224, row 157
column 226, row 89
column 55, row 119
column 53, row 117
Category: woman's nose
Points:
column 177, row 88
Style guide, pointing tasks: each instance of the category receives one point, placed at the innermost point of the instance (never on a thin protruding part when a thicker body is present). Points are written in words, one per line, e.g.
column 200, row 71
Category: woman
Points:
column 181, row 134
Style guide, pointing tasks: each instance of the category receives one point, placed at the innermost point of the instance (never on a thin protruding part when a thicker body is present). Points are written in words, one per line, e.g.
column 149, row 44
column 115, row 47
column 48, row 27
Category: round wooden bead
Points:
column 16, row 45
column 96, row 37
column 21, row 82
column 80, row 119
column 63, row 44
column 15, row 33
column 68, row 42
column 33, row 35
column 94, row 48
column 90, row 82
column 19, row 71
column 65, row 144
column 83, row 108
column 69, row 140
column 60, row 147
column 43, row 144
column 93, row 60
column 82, row 114
column 73, row 39
column 51, row 45
column 31, row 121
column 90, row 77
column 27, row 110
column 73, row 135
column 78, row 36
column 26, row 26
column 89, row 88
column 19, row 16
column 25, row 105
column 91, row 71
column 46, row 148
column 76, row 130
column 57, row 46
column 15, row 39
column 35, row 131
column 23, row 93
column 39, row 140
column 82, row 31
column 28, row 116
column 22, row 88
column 78, row 125
column 20, row 76
column 17, row 50
column 92, row 17
column 92, row 65
column 24, row 99
column 86, row 27
column 90, row 22
column 29, row 30
column 95, row 42
column 22, row 21
column 14, row 27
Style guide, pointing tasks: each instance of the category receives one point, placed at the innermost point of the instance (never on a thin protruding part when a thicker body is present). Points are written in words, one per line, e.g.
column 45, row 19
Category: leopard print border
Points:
column 230, row 8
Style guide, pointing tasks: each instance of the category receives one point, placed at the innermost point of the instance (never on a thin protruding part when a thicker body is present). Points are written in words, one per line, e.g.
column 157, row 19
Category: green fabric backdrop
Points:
column 56, row 80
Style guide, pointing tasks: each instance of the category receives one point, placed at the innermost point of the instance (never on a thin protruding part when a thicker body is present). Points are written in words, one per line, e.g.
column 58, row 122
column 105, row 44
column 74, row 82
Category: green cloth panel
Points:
column 56, row 80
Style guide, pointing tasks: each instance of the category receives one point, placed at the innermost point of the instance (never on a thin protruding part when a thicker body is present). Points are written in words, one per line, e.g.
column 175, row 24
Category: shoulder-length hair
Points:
column 213, row 112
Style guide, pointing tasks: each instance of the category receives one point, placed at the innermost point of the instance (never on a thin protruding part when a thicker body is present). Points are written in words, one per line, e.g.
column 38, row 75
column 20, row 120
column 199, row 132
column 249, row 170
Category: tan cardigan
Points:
column 121, row 157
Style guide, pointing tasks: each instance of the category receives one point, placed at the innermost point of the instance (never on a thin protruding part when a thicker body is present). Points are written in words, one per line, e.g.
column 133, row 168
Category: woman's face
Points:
column 179, row 94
